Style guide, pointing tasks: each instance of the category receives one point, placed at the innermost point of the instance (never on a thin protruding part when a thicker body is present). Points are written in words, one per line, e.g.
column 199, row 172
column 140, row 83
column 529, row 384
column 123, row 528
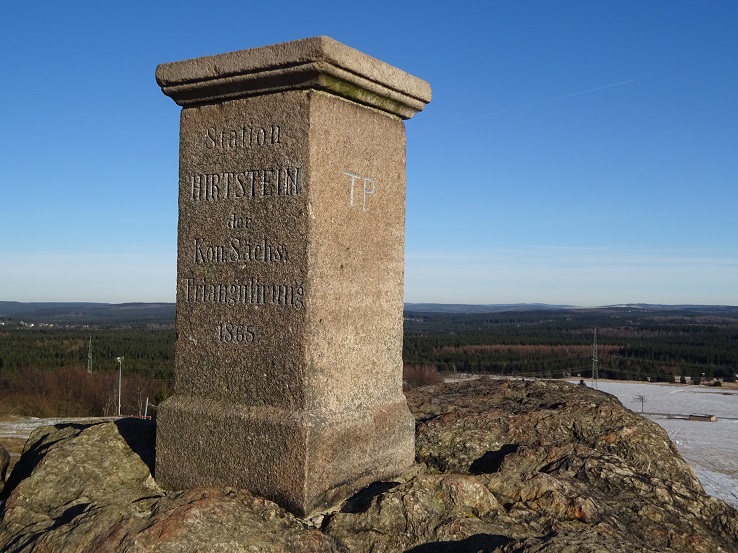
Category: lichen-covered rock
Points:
column 426, row 508
column 472, row 426
column 89, row 489
column 4, row 462
column 503, row 466
column 554, row 467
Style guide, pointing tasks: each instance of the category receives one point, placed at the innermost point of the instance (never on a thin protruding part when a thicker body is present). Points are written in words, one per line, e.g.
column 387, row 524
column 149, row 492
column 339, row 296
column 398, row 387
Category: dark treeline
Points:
column 631, row 343
column 49, row 348
column 43, row 370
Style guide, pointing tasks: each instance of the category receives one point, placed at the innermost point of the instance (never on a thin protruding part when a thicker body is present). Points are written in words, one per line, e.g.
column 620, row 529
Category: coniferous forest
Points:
column 656, row 344
column 62, row 366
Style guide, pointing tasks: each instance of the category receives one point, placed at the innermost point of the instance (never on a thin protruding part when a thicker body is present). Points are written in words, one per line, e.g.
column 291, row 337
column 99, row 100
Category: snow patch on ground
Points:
column 711, row 448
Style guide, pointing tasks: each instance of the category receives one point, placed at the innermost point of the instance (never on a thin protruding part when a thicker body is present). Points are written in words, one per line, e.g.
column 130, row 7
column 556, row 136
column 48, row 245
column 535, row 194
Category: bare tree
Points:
column 641, row 398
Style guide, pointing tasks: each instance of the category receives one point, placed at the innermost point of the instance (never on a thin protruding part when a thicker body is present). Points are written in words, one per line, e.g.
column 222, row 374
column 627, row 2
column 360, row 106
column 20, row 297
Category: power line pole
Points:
column 89, row 357
column 594, row 360
column 120, row 378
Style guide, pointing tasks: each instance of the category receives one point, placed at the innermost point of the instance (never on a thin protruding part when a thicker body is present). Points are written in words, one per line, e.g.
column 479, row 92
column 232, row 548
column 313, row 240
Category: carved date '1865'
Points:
column 236, row 333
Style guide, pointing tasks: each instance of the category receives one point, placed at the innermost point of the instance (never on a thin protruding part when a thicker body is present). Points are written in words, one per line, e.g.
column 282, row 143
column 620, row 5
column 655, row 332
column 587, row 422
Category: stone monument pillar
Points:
column 289, row 273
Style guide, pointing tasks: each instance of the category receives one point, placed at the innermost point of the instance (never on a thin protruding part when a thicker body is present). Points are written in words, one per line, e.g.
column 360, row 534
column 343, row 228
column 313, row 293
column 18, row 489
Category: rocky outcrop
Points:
column 4, row 462
column 539, row 466
column 503, row 466
column 89, row 488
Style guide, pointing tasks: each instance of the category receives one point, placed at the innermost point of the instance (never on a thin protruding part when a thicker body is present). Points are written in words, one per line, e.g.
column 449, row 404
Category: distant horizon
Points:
column 484, row 304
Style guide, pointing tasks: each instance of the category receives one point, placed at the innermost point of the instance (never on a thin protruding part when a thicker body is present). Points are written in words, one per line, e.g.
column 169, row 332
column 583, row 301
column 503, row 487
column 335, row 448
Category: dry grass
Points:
column 414, row 376
column 72, row 392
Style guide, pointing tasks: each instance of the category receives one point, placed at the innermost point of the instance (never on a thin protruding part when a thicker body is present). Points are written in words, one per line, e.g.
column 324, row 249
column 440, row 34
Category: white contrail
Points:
column 547, row 100
column 590, row 90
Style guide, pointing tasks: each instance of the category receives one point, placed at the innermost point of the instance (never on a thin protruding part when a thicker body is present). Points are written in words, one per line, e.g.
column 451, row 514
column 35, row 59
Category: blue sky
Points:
column 574, row 152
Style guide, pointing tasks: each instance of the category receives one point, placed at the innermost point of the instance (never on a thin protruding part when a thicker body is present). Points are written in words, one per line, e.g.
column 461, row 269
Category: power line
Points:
column 594, row 360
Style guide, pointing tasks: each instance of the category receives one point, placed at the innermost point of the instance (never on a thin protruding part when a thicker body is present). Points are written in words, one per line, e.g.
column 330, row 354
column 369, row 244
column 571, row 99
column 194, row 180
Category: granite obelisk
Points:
column 289, row 273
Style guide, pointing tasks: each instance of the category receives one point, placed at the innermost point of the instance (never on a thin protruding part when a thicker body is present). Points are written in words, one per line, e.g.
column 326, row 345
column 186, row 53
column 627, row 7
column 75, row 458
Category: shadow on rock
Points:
column 140, row 435
column 492, row 460
column 481, row 543
column 35, row 452
column 361, row 500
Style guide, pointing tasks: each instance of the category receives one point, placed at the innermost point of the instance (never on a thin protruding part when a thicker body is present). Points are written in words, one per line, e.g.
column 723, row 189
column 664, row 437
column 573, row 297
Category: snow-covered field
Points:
column 710, row 447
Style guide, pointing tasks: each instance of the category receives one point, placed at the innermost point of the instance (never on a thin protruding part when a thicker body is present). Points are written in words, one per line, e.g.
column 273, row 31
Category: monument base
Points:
column 304, row 461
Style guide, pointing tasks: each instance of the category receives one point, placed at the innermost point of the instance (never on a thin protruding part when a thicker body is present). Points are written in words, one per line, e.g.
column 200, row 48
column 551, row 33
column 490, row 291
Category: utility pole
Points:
column 89, row 357
column 120, row 375
column 595, row 374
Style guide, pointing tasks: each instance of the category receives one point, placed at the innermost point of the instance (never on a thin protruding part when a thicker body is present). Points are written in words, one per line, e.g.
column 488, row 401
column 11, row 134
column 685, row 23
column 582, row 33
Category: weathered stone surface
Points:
column 573, row 468
column 4, row 462
column 90, row 489
column 318, row 63
column 289, row 274
column 474, row 426
column 605, row 484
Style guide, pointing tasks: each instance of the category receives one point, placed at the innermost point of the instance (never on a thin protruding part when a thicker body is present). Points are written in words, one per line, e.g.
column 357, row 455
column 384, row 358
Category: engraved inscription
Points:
column 253, row 183
column 369, row 186
column 238, row 222
column 245, row 136
column 238, row 250
column 249, row 292
column 236, row 333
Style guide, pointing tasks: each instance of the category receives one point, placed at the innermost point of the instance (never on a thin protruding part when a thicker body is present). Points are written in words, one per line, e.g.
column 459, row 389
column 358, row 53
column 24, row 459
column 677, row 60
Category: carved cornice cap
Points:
column 319, row 63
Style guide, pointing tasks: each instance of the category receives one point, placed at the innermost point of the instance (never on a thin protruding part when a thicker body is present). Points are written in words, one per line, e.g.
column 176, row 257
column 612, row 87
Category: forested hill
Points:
column 137, row 314
column 88, row 314
column 481, row 308
column 45, row 348
column 462, row 308
column 633, row 342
